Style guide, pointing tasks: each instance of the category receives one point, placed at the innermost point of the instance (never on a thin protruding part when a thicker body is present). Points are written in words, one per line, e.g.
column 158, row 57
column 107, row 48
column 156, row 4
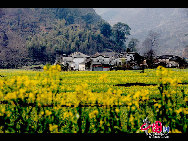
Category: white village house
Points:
column 98, row 62
column 169, row 60
column 75, row 61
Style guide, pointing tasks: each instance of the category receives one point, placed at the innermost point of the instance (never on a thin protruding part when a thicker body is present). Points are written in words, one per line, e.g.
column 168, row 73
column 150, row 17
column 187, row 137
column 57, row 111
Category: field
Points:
column 52, row 101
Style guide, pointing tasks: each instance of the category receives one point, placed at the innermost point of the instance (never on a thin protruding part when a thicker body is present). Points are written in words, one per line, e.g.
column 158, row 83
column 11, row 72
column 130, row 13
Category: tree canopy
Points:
column 36, row 35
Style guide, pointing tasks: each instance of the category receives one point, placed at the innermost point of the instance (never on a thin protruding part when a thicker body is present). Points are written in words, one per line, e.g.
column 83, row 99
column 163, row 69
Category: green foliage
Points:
column 67, row 39
column 120, row 33
column 37, row 35
column 106, row 30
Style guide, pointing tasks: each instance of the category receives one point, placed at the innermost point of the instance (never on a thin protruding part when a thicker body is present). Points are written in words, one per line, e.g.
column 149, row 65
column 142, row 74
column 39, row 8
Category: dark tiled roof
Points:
column 78, row 55
column 96, row 55
column 104, row 54
column 165, row 56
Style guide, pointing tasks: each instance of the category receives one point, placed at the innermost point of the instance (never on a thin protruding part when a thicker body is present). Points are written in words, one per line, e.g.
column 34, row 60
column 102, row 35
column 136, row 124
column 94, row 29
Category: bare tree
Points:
column 151, row 44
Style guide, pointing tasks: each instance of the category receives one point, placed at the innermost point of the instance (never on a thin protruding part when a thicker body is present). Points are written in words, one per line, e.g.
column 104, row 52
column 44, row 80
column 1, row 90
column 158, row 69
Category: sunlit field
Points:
column 53, row 101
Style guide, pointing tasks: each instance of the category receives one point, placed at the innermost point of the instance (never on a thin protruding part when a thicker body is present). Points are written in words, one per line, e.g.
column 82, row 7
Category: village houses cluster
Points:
column 106, row 61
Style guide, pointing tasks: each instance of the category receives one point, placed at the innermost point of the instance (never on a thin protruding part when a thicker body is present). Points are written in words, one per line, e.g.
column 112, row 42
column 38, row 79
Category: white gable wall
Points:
column 81, row 67
column 77, row 61
column 129, row 57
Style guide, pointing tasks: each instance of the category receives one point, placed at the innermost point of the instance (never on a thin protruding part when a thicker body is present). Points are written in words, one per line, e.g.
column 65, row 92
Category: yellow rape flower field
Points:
column 53, row 101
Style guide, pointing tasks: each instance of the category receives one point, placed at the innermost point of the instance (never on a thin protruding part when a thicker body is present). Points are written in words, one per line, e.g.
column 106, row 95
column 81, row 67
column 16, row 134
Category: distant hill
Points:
column 170, row 23
column 17, row 25
column 30, row 21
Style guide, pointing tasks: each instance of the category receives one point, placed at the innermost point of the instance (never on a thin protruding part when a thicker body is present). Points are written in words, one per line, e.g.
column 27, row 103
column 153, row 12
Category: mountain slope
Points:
column 17, row 25
column 170, row 23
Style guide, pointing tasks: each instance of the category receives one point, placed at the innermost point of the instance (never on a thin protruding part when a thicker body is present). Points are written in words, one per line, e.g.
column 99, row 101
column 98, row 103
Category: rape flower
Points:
column 133, row 108
column 67, row 115
column 53, row 128
column 58, row 67
column 137, row 94
column 161, row 71
column 117, row 110
column 157, row 105
column 2, row 110
column 175, row 131
column 164, row 72
column 93, row 114
column 48, row 113
column 10, row 96
column 185, row 111
column 31, row 97
column 101, row 123
column 8, row 113
column 1, row 96
column 186, row 99
column 41, row 88
column 179, row 110
column 103, row 77
column 45, row 68
column 131, row 119
column 1, row 83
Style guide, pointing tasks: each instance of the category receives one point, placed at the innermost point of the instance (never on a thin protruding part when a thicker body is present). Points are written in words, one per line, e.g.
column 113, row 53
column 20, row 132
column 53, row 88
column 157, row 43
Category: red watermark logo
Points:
column 156, row 127
column 158, row 130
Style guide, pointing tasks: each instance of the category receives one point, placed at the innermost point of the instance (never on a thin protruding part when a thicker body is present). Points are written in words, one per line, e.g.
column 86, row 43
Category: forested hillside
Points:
column 30, row 36
column 36, row 35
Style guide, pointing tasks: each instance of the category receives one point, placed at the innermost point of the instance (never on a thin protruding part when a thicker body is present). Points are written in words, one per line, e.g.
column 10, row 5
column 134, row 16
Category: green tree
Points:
column 106, row 30
column 121, row 31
